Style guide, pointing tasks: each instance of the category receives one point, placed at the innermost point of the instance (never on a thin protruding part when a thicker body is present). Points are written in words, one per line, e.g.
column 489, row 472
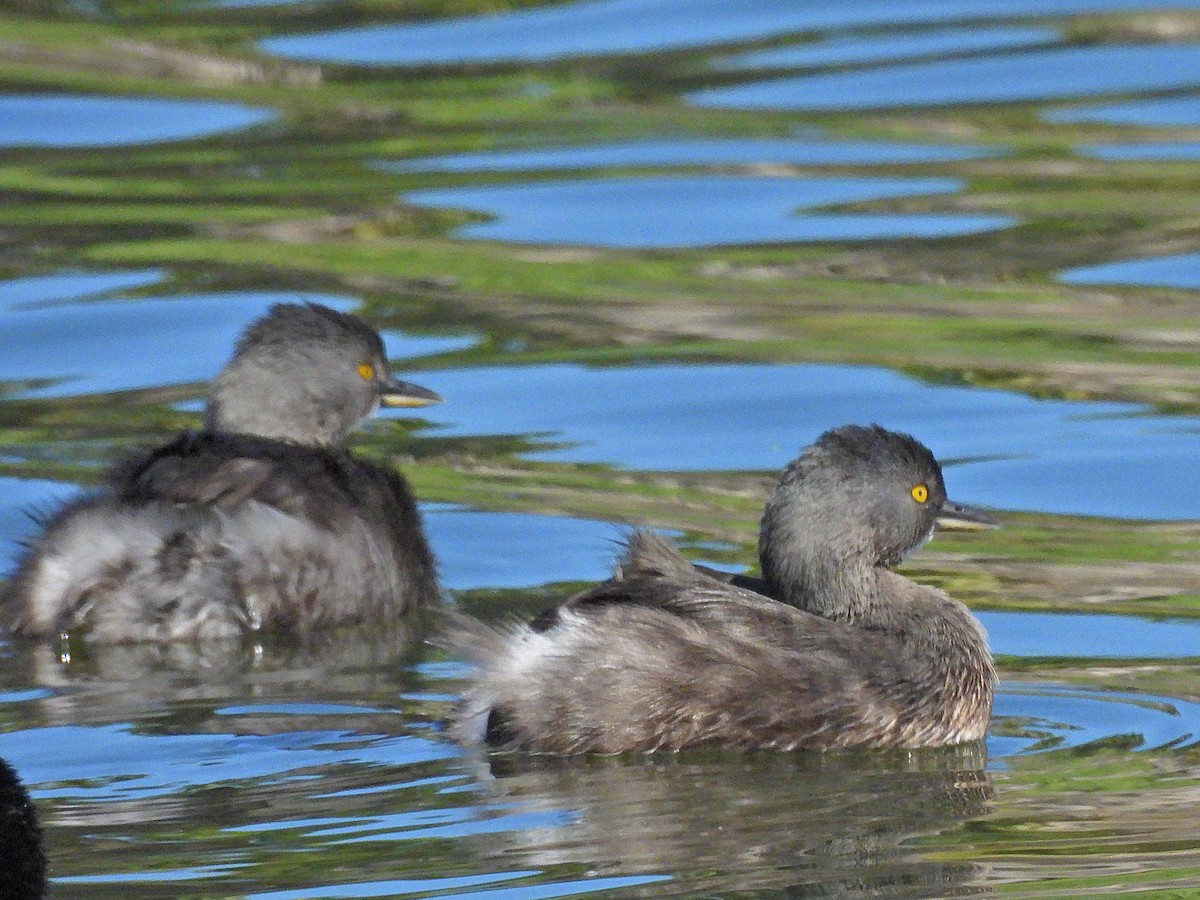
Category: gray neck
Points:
column 276, row 427
column 309, row 421
column 819, row 567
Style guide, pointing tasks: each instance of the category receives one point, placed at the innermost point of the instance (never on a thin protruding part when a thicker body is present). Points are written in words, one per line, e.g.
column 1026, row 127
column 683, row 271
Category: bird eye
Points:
column 366, row 371
column 920, row 493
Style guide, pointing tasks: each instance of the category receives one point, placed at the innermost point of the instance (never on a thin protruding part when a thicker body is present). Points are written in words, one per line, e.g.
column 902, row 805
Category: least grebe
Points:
column 261, row 521
column 665, row 657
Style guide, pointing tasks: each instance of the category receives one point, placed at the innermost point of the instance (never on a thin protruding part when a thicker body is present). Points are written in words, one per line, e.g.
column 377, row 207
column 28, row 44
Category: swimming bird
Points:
column 664, row 656
column 262, row 521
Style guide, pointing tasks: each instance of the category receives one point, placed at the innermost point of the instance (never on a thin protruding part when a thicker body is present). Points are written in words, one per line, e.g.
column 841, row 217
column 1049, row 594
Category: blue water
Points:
column 72, row 285
column 81, row 120
column 1003, row 449
column 1073, row 717
column 88, row 346
column 21, row 500
column 686, row 151
column 290, row 771
column 1166, row 112
column 697, row 211
column 478, row 549
column 1037, row 75
column 1156, row 152
column 1179, row 271
column 840, row 51
column 1090, row 635
column 601, row 27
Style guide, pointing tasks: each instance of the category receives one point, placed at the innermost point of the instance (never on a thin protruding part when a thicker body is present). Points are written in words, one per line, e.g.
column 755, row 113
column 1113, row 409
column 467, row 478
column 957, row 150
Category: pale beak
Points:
column 956, row 517
column 395, row 393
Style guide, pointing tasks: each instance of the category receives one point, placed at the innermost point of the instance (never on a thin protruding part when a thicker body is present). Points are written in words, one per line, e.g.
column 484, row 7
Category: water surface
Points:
column 89, row 346
column 1155, row 152
column 685, row 151
column 477, row 549
column 1008, row 78
column 1091, row 636
column 285, row 769
column 698, row 211
column 1166, row 112
column 82, row 120
column 1179, row 271
column 1004, row 449
column 840, row 51
column 334, row 759
column 601, row 27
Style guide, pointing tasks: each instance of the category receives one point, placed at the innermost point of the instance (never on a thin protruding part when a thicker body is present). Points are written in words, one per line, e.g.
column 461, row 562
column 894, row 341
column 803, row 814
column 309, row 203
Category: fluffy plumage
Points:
column 260, row 522
column 664, row 656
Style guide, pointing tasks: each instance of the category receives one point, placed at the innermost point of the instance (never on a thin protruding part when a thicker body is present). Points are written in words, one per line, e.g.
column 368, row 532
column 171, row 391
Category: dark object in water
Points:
column 665, row 657
column 22, row 859
column 262, row 521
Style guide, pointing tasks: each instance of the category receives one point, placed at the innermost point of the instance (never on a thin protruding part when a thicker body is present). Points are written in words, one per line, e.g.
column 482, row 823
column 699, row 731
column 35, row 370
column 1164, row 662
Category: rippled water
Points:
column 697, row 211
column 79, row 120
column 281, row 771
column 1002, row 449
column 694, row 152
column 892, row 47
column 1038, row 75
column 595, row 27
column 1179, row 271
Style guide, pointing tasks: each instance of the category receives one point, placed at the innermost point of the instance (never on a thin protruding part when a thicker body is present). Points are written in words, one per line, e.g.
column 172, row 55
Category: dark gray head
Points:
column 860, row 498
column 307, row 374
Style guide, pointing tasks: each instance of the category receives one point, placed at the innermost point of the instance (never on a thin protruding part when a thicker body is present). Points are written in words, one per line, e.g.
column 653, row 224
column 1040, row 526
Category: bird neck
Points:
column 941, row 648
column 295, row 425
column 834, row 582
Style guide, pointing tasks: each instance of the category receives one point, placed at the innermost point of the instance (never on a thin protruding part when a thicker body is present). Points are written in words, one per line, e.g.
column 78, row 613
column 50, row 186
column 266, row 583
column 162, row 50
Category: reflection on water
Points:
column 52, row 331
column 1168, row 112
column 45, row 289
column 1164, row 152
column 1042, row 717
column 737, row 822
column 1016, row 452
column 281, row 771
column 682, row 211
column 894, row 46
column 333, row 757
column 508, row 550
column 80, row 120
column 1180, row 271
column 597, row 27
column 1040, row 75
column 694, row 152
column 1090, row 635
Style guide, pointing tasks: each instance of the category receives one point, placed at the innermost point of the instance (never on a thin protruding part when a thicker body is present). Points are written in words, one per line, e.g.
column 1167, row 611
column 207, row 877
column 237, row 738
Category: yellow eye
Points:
column 920, row 493
column 367, row 371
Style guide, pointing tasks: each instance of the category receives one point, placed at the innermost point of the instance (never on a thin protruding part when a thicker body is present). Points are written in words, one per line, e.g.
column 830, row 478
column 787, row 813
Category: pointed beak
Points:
column 395, row 393
column 956, row 517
